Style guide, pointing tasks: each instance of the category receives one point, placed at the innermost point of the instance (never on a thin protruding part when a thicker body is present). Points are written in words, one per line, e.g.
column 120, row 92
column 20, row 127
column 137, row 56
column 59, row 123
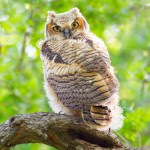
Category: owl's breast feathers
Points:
column 79, row 71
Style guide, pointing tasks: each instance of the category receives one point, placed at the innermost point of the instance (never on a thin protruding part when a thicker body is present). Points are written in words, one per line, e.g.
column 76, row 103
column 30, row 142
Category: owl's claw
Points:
column 109, row 131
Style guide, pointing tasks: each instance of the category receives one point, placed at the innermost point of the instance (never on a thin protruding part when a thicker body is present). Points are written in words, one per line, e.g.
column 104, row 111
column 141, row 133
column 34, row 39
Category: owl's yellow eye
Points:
column 57, row 28
column 75, row 25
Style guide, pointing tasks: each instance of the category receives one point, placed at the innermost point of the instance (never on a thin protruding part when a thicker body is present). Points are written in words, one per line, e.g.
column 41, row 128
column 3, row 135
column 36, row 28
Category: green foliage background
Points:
column 123, row 25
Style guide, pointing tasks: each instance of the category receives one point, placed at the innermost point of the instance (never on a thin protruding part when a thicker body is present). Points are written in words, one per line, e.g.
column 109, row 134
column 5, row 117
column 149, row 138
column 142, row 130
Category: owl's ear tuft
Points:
column 51, row 16
column 75, row 11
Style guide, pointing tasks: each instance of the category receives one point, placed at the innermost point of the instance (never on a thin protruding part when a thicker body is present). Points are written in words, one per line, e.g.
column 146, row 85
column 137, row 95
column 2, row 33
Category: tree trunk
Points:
column 60, row 131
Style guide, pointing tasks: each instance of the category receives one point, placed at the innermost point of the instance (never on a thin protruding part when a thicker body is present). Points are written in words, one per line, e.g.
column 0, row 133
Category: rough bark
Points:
column 60, row 131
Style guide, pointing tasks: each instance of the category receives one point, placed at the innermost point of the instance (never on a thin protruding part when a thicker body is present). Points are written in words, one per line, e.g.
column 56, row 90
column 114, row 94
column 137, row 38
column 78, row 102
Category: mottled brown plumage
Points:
column 79, row 79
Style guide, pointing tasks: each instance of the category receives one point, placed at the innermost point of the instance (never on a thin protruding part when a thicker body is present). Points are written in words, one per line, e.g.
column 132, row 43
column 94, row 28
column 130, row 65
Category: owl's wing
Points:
column 100, row 55
column 92, row 56
column 54, row 63
column 79, row 89
column 74, row 84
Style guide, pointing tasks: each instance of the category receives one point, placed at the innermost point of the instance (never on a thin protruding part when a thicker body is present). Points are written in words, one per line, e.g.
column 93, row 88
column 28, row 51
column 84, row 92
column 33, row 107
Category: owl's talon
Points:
column 109, row 131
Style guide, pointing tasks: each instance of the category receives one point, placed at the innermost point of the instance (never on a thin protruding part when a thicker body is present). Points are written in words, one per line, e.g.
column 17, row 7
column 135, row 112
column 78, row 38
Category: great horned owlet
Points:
column 79, row 78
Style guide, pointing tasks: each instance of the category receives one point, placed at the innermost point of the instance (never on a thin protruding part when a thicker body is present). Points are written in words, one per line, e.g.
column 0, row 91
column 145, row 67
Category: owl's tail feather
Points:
column 101, row 115
column 98, row 117
column 86, row 115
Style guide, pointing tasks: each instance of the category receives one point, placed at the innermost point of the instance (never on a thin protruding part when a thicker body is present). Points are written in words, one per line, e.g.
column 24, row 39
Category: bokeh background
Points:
column 123, row 25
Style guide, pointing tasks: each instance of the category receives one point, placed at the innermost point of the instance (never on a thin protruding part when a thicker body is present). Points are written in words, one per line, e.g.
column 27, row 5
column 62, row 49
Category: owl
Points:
column 78, row 77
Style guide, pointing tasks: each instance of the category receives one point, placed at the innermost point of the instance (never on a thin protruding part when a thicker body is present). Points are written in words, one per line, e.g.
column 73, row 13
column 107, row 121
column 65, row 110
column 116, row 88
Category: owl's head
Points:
column 66, row 25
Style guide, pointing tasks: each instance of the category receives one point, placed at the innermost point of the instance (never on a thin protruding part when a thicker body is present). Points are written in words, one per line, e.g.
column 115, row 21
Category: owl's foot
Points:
column 109, row 131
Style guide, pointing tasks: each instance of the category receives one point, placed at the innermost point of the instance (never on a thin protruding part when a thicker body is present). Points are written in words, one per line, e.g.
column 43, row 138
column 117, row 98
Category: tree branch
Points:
column 24, row 42
column 61, row 131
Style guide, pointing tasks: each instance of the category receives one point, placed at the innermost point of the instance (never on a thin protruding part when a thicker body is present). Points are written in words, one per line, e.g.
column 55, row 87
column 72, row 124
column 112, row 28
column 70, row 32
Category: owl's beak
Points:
column 66, row 32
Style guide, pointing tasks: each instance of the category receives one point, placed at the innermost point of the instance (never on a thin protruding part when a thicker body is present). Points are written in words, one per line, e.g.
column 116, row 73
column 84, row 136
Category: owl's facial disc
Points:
column 67, row 28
